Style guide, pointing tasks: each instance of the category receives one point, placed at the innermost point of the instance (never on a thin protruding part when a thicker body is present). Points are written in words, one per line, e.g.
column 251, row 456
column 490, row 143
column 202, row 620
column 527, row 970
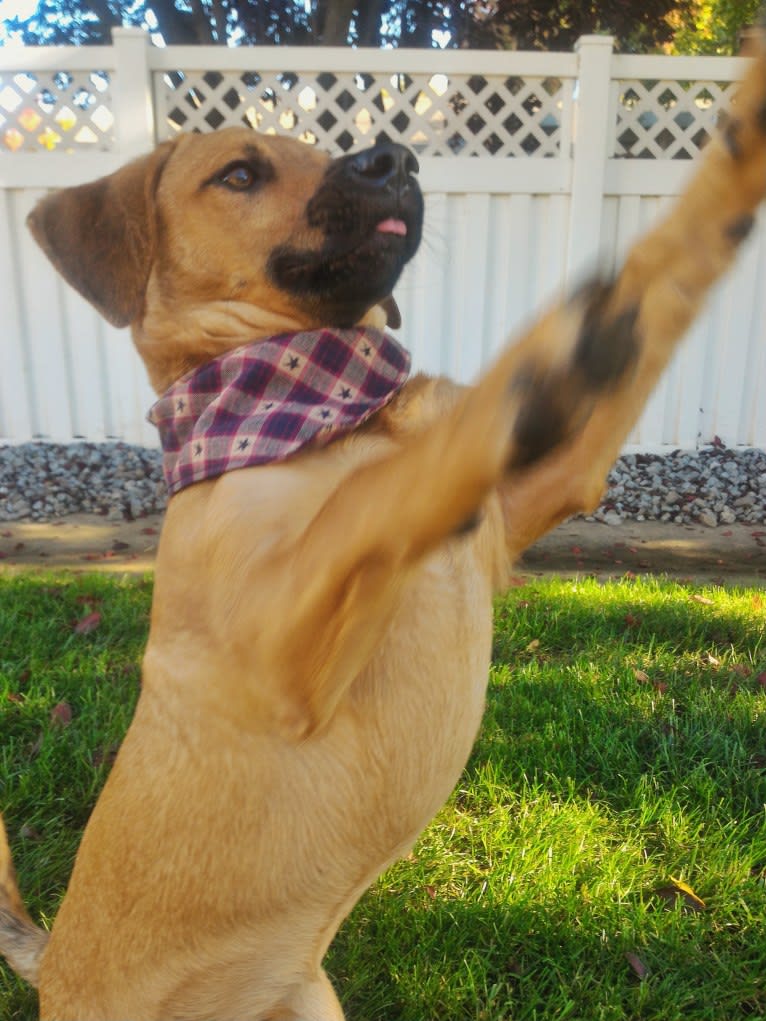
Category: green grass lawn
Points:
column 624, row 748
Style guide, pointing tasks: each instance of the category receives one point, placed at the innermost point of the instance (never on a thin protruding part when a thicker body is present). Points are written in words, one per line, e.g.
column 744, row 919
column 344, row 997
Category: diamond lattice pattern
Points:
column 55, row 110
column 434, row 114
column 666, row 120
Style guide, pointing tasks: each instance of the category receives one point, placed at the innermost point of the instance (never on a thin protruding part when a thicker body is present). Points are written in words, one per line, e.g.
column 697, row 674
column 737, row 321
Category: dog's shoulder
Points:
column 417, row 405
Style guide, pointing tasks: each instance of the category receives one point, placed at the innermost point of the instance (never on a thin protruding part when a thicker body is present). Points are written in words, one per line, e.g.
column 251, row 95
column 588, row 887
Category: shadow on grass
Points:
column 530, row 960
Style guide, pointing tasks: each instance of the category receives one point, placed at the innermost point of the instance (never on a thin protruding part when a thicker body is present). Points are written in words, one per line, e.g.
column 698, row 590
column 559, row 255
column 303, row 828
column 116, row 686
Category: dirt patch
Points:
column 733, row 555
column 81, row 542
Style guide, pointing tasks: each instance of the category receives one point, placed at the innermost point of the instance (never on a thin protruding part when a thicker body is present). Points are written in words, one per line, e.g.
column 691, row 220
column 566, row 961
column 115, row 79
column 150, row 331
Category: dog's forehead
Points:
column 207, row 153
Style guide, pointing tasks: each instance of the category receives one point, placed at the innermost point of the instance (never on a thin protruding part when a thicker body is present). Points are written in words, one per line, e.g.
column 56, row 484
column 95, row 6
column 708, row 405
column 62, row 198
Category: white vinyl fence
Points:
column 536, row 167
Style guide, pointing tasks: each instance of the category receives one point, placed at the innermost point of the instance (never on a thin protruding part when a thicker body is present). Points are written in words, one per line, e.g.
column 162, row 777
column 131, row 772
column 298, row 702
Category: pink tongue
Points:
column 392, row 226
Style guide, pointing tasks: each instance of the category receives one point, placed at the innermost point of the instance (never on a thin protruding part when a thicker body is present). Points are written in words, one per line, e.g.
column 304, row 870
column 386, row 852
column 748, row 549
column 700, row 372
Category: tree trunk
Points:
column 368, row 20
column 107, row 20
column 334, row 21
column 178, row 28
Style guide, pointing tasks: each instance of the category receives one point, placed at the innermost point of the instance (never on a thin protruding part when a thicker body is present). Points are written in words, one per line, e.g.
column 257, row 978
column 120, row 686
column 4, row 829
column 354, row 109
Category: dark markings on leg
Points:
column 731, row 139
column 553, row 408
column 608, row 345
column 541, row 425
column 470, row 524
column 739, row 229
column 555, row 405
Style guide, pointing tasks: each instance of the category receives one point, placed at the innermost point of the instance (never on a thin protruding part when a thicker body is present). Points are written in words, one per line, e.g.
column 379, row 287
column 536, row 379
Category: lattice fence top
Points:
column 56, row 110
column 434, row 114
column 663, row 120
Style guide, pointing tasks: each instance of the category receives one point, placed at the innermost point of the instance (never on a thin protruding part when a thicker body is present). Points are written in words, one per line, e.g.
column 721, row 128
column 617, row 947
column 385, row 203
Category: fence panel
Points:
column 536, row 168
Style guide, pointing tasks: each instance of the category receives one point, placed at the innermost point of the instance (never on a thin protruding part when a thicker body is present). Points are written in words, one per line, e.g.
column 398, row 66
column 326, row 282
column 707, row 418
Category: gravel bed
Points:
column 713, row 486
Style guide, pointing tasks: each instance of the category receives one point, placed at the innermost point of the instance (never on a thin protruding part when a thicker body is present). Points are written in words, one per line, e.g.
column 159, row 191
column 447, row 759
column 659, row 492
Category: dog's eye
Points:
column 239, row 177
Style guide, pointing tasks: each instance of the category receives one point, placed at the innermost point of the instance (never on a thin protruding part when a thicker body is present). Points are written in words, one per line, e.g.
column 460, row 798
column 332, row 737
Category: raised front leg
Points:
column 659, row 290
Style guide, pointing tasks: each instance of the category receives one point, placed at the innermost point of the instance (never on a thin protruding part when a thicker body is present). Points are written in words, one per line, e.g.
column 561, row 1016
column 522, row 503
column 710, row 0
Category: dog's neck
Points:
column 268, row 399
column 172, row 345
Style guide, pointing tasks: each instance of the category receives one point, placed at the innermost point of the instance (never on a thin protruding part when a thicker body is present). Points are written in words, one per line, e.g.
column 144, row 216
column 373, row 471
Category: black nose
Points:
column 386, row 165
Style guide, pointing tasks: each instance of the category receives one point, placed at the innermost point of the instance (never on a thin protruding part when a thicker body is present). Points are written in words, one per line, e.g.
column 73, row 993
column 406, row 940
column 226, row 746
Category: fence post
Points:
column 592, row 131
column 133, row 108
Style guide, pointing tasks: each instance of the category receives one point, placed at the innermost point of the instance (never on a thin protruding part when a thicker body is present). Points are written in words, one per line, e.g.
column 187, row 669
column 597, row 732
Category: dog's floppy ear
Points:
column 393, row 315
column 101, row 236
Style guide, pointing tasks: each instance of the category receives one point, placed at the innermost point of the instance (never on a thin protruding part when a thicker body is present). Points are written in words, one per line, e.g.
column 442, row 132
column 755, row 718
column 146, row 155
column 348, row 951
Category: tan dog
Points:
column 320, row 635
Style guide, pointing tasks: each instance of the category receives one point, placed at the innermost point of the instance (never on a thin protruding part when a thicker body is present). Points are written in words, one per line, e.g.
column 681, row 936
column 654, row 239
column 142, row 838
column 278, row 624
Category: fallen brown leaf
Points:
column 61, row 714
column 105, row 755
column 641, row 676
column 637, row 965
column 88, row 623
column 534, row 644
column 697, row 598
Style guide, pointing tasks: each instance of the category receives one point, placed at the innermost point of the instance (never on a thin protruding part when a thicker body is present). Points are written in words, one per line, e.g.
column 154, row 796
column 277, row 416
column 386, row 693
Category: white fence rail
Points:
column 536, row 167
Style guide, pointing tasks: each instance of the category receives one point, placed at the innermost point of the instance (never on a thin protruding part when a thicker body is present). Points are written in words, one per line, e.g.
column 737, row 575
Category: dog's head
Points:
column 216, row 239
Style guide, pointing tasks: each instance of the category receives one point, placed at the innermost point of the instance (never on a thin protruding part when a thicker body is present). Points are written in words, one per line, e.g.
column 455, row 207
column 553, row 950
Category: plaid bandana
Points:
column 266, row 400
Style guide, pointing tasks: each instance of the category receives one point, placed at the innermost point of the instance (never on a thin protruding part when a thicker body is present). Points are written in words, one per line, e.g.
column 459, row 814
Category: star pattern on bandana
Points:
column 266, row 400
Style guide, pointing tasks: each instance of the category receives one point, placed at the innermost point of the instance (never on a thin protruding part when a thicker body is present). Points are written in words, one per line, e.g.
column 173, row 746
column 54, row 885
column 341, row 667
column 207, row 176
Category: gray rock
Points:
column 121, row 481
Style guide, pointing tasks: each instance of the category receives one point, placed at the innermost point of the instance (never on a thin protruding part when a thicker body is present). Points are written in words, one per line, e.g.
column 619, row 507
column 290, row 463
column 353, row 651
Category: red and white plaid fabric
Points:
column 266, row 400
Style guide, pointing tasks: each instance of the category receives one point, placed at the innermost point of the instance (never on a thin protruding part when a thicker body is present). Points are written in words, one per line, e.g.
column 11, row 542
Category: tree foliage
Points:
column 707, row 26
column 715, row 26
column 557, row 24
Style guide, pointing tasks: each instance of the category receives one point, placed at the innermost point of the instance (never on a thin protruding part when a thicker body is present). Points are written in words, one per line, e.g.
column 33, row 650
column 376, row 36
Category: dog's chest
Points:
column 420, row 702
